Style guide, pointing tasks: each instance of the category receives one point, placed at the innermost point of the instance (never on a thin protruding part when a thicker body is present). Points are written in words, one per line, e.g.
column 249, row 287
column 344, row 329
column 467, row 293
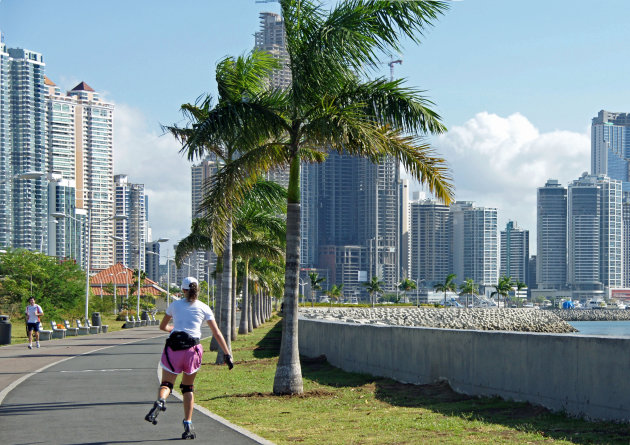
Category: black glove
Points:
column 228, row 361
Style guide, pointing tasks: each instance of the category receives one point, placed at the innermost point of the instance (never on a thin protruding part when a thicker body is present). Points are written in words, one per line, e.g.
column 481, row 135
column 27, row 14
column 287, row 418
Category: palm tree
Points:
column 237, row 80
column 406, row 285
column 335, row 293
column 258, row 232
column 327, row 106
column 469, row 287
column 502, row 289
column 315, row 286
column 373, row 287
column 448, row 285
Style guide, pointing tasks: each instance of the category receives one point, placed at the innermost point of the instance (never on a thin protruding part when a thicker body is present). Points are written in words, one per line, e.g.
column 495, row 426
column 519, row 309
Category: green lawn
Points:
column 18, row 326
column 348, row 408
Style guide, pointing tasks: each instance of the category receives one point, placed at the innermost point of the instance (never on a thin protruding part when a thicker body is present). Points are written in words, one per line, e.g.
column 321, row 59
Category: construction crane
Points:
column 267, row 1
column 391, row 67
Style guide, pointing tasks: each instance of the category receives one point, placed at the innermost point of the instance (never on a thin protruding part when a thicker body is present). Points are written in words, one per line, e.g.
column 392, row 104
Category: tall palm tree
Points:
column 328, row 106
column 502, row 289
column 237, row 80
column 259, row 231
column 335, row 293
column 469, row 287
column 315, row 286
column 448, row 285
column 373, row 287
column 406, row 285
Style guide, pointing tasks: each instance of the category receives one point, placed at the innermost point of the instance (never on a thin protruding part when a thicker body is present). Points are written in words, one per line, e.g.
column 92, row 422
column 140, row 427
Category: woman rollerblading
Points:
column 183, row 353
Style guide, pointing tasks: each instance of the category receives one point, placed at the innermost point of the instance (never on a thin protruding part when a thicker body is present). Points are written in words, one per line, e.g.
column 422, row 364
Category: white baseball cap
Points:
column 186, row 282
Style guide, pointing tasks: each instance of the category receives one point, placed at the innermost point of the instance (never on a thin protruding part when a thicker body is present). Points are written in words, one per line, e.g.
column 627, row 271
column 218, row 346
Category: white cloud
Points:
column 150, row 158
column 501, row 161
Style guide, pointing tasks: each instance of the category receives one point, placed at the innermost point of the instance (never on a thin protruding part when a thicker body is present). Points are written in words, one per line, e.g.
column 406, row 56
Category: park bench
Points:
column 154, row 321
column 70, row 330
column 136, row 323
column 93, row 329
column 57, row 332
column 101, row 329
column 83, row 330
column 44, row 334
column 128, row 323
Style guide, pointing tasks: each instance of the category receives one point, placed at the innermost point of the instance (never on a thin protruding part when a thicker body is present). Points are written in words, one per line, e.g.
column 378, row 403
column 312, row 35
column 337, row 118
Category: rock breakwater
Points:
column 591, row 314
column 509, row 319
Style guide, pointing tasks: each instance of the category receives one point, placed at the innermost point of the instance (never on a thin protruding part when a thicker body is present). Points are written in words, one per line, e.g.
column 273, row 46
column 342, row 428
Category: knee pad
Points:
column 186, row 388
column 168, row 385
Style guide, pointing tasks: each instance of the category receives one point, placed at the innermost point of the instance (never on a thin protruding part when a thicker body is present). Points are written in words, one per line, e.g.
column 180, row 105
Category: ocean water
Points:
column 607, row 328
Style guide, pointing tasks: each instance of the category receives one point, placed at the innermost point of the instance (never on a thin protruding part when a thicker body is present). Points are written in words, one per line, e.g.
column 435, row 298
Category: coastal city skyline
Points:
column 512, row 119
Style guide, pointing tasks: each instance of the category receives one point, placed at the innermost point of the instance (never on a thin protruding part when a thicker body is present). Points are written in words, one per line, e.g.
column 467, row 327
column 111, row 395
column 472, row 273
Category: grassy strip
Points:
column 348, row 408
column 18, row 327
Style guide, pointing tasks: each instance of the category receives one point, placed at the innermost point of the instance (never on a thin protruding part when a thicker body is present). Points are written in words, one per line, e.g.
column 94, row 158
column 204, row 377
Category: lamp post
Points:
column 417, row 287
column 302, row 283
column 87, row 260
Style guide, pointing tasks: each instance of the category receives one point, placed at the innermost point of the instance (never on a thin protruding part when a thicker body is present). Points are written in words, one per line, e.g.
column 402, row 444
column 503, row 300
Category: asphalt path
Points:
column 100, row 397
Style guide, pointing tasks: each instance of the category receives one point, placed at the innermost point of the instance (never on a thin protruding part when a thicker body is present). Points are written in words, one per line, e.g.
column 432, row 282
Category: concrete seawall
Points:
column 582, row 375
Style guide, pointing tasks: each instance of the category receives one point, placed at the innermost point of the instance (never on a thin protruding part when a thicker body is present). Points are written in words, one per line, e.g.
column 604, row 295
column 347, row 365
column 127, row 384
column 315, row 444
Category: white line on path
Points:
column 100, row 370
column 13, row 385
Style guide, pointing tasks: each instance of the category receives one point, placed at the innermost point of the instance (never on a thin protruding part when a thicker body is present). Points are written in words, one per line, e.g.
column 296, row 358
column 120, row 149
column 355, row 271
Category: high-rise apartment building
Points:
column 551, row 240
column 152, row 260
column 202, row 262
column 431, row 242
column 350, row 217
column 626, row 240
column 23, row 148
column 515, row 253
column 272, row 39
column 610, row 146
column 594, row 234
column 6, row 172
column 475, row 243
column 130, row 202
column 94, row 158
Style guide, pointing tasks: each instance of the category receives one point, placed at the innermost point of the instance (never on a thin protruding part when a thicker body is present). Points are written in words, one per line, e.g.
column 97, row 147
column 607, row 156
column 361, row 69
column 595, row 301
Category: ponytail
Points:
column 193, row 291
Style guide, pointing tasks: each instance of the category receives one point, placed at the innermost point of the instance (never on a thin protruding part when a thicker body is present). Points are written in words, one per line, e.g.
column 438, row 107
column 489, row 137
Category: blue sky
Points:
column 516, row 82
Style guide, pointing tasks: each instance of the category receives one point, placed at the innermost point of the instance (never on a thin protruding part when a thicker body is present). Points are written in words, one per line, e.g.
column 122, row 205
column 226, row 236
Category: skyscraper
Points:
column 430, row 235
column 475, row 244
column 272, row 39
column 351, row 220
column 94, row 157
column 515, row 253
column 594, row 233
column 551, row 240
column 130, row 202
column 6, row 173
column 23, row 148
column 610, row 146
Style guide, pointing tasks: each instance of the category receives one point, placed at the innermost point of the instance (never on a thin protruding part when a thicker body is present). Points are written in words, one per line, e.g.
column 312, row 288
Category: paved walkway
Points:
column 96, row 389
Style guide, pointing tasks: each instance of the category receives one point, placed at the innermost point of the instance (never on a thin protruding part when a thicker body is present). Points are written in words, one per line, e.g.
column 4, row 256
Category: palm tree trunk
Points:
column 250, row 311
column 288, row 378
column 242, row 328
column 234, row 278
column 255, row 319
column 226, row 292
column 214, row 345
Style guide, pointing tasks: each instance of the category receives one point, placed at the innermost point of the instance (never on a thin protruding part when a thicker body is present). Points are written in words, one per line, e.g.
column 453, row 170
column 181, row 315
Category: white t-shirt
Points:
column 32, row 312
column 188, row 317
